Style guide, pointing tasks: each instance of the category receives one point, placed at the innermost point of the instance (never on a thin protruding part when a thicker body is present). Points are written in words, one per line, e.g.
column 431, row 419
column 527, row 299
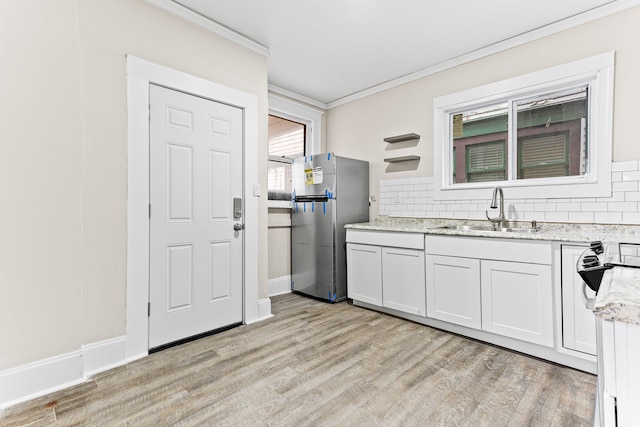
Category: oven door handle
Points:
column 588, row 302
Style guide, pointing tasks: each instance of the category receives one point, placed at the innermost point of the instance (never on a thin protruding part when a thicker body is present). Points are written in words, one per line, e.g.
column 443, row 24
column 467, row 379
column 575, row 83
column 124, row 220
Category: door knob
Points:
column 237, row 226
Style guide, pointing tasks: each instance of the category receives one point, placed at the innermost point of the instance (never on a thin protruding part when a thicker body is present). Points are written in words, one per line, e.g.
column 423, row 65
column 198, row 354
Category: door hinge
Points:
column 149, row 210
column 148, row 309
column 149, row 112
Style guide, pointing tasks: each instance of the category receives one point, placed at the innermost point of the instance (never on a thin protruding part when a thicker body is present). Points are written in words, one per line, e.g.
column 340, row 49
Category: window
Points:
column 296, row 132
column 552, row 127
column 286, row 142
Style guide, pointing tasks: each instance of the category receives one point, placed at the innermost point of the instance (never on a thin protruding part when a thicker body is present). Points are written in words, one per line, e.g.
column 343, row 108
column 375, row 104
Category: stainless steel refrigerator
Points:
column 328, row 192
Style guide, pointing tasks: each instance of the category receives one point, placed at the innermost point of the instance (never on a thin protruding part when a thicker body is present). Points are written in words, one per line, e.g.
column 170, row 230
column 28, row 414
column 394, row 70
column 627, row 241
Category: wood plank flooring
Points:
column 318, row 364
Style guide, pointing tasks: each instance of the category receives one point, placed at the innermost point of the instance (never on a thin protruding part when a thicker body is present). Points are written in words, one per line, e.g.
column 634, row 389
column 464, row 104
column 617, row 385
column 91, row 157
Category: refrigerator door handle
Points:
column 303, row 199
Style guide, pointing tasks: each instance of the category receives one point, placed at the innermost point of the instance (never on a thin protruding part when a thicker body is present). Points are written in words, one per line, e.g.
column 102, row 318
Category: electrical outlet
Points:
column 397, row 199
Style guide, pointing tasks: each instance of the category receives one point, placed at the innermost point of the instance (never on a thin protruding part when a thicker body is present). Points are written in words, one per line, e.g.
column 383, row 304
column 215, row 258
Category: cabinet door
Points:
column 453, row 290
column 517, row 301
column 403, row 281
column 364, row 273
column 578, row 322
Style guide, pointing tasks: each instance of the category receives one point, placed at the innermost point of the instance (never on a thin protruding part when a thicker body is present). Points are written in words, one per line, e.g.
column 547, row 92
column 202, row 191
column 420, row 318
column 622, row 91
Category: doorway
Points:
column 140, row 75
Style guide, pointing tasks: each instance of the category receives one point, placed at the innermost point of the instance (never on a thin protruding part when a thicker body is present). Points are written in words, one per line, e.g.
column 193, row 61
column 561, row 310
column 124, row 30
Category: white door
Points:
column 195, row 266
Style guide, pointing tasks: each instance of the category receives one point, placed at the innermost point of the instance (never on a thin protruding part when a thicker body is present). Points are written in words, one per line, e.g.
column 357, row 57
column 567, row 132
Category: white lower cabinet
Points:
column 517, row 300
column 578, row 322
column 387, row 269
column 364, row 273
column 498, row 286
column 453, row 290
column 403, row 286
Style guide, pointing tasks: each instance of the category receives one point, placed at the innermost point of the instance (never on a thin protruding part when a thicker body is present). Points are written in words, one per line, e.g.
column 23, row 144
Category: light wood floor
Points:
column 317, row 364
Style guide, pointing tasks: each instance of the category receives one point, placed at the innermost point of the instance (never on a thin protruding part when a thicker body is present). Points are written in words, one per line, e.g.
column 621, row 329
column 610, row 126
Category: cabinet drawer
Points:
column 384, row 238
column 532, row 252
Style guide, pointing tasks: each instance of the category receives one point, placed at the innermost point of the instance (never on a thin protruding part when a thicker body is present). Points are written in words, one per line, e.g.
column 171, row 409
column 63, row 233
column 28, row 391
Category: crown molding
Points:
column 565, row 24
column 208, row 24
column 297, row 97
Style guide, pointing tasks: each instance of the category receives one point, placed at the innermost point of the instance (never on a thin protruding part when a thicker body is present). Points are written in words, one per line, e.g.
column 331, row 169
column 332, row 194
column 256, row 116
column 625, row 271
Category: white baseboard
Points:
column 103, row 355
column 36, row 379
column 264, row 310
column 45, row 376
column 279, row 285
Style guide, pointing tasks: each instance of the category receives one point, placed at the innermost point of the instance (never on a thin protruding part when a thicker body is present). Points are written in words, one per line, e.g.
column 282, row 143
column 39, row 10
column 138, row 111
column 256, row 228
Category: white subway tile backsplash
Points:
column 631, row 217
column 417, row 200
column 624, row 186
column 616, row 176
column 631, row 165
column 631, row 176
column 569, row 207
column 545, row 207
column 618, row 196
column 608, row 217
column 581, row 216
column 594, row 207
column 522, row 206
column 556, row 216
column 623, row 207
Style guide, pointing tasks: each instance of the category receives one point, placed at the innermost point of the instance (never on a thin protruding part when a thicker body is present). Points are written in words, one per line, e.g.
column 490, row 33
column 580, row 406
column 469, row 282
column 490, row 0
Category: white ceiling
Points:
column 329, row 49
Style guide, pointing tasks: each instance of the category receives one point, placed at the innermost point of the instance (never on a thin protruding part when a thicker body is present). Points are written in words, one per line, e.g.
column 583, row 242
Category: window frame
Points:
column 596, row 72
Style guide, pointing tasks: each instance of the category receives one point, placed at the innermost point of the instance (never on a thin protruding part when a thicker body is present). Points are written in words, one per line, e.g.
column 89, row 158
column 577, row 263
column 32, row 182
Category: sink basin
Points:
column 489, row 228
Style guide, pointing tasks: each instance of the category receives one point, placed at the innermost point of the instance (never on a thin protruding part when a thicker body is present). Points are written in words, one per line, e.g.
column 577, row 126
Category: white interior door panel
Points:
column 195, row 266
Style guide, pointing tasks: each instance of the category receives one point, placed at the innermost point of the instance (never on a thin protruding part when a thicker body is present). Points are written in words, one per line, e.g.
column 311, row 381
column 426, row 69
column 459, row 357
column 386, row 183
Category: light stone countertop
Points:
column 618, row 297
column 549, row 231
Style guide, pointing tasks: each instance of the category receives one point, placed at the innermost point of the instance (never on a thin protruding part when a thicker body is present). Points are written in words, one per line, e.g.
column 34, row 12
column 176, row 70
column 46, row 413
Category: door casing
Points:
column 141, row 73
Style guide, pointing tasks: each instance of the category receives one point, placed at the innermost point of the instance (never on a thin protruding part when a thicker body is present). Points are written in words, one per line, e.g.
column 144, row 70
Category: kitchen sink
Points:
column 489, row 228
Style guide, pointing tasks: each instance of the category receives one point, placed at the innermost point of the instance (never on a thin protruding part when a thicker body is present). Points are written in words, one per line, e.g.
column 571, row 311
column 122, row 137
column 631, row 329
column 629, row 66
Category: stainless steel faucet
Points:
column 499, row 221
